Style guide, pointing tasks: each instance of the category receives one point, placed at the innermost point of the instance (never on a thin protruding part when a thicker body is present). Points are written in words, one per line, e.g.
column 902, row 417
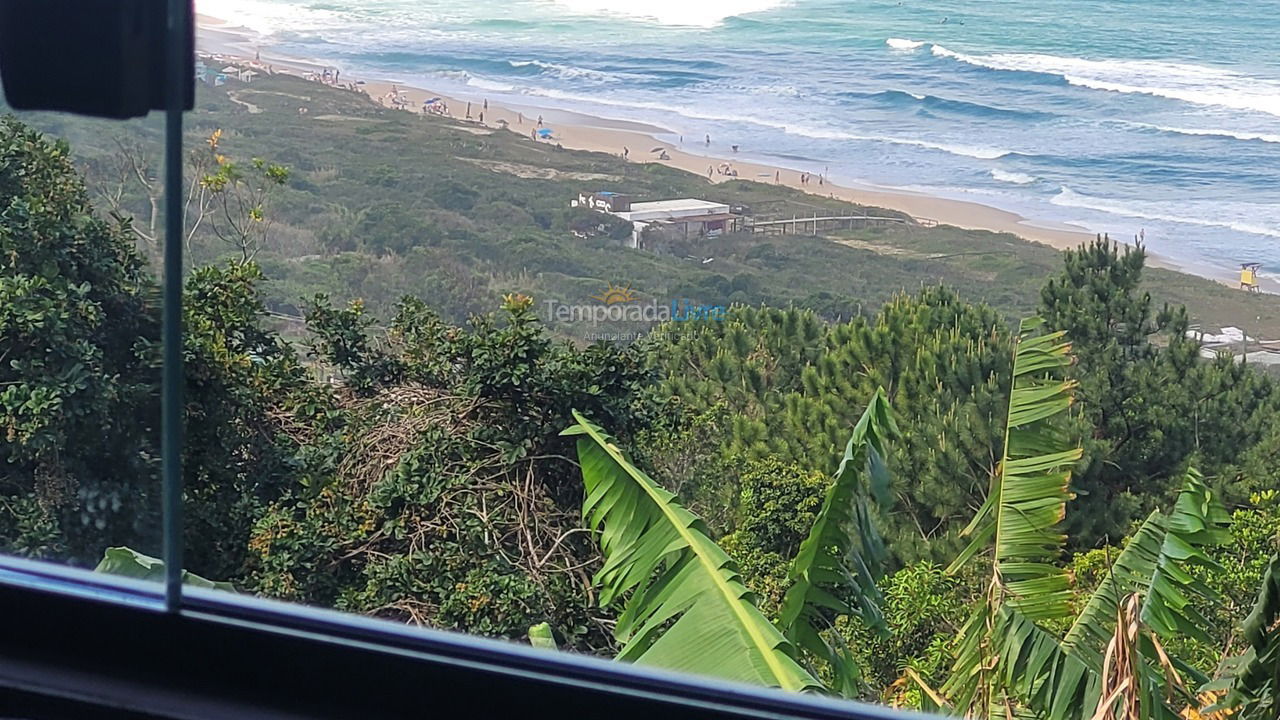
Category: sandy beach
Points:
column 637, row 141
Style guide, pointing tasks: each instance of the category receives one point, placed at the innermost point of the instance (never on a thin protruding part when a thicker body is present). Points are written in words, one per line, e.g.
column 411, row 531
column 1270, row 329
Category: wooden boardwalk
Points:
column 816, row 225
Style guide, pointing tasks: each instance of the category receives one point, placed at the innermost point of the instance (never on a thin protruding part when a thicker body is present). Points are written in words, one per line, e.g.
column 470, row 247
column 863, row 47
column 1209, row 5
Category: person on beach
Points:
column 777, row 176
column 533, row 135
column 486, row 103
column 708, row 141
column 519, row 118
column 709, row 169
column 481, row 117
column 735, row 148
column 539, row 121
column 468, row 111
column 820, row 180
column 625, row 152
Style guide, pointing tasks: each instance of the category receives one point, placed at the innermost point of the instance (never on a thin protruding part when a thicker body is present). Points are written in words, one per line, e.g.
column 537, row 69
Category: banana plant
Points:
column 684, row 604
column 1001, row 649
column 1111, row 662
column 542, row 636
column 1252, row 687
column 836, row 569
column 128, row 562
column 1156, row 564
column 1149, row 595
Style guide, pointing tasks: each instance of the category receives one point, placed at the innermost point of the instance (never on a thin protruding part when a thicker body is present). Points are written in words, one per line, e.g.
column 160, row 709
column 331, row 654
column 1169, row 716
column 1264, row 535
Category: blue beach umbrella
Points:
column 544, row 133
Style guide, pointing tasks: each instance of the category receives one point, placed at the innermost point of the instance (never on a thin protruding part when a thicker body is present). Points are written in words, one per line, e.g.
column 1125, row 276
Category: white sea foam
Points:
column 493, row 85
column 463, row 77
column 903, row 44
column 1196, row 84
column 791, row 128
column 570, row 72
column 1067, row 197
column 1015, row 178
column 687, row 13
column 973, row 151
column 1237, row 135
column 265, row 18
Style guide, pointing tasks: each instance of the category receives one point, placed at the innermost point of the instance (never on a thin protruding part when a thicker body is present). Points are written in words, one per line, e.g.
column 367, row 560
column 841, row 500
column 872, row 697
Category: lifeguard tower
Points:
column 1249, row 276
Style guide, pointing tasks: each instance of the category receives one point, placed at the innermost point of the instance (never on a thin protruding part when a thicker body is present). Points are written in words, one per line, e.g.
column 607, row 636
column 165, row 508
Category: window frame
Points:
column 78, row 640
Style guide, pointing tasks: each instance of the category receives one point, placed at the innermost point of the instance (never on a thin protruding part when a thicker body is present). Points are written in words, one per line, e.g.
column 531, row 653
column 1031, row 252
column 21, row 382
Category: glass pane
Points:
column 777, row 252
column 79, row 338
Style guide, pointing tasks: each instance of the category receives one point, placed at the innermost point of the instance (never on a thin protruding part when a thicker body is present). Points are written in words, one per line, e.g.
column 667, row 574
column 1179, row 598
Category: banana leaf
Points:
column 1156, row 563
column 1253, row 688
column 684, row 606
column 1019, row 524
column 128, row 562
column 836, row 569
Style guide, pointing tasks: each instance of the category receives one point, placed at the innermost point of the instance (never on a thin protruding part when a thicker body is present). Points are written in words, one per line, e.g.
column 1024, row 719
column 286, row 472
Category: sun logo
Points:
column 614, row 294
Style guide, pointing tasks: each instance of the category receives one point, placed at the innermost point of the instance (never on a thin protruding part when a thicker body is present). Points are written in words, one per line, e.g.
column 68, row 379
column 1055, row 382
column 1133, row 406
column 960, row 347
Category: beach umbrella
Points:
column 230, row 69
column 432, row 101
column 544, row 132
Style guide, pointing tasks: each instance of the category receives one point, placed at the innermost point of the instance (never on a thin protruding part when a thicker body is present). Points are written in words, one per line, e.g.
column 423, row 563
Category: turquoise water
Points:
column 1123, row 116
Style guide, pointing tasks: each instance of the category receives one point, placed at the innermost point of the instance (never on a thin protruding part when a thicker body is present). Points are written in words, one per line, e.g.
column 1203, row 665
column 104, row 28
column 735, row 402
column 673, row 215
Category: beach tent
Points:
column 432, row 101
column 544, row 133
column 231, row 69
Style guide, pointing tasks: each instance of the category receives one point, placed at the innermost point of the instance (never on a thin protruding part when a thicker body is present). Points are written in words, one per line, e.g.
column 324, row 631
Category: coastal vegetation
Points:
column 382, row 203
column 868, row 478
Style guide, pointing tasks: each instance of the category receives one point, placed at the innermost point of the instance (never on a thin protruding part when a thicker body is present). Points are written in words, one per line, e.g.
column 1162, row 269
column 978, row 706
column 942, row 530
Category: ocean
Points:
column 1151, row 117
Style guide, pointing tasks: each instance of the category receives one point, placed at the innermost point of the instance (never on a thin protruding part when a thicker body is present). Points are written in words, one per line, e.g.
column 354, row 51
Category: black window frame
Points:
column 78, row 644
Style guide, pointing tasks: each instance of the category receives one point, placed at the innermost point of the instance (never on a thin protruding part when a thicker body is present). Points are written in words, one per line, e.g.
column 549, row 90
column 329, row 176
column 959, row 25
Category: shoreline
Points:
column 579, row 131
